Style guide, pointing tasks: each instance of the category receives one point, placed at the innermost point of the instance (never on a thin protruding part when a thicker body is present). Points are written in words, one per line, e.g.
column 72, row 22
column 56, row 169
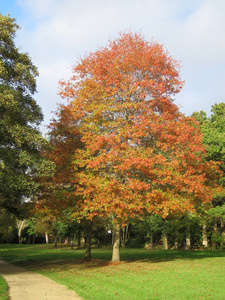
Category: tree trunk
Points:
column 98, row 242
column 88, row 242
column 46, row 237
column 71, row 245
column 215, row 235
column 127, row 233
column 72, row 241
column 82, row 240
column 165, row 241
column 204, row 236
column 112, row 237
column 223, row 234
column 116, row 243
column 188, row 242
column 55, row 241
column 20, row 226
column 175, row 244
column 176, row 241
column 78, row 239
column 123, row 236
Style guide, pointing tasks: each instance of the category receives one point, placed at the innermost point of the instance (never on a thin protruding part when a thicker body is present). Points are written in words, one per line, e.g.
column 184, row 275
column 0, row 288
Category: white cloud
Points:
column 204, row 30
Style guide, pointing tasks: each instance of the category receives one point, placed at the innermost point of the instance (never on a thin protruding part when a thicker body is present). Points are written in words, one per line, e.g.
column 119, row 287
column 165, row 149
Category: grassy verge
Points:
column 3, row 289
column 142, row 274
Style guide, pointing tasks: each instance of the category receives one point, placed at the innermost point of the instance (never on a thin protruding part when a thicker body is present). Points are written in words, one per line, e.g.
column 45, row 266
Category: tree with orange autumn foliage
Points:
column 58, row 197
column 139, row 154
column 58, row 186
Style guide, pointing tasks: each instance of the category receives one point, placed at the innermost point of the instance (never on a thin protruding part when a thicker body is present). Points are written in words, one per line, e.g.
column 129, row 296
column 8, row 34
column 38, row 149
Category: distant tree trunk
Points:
column 46, row 237
column 56, row 241
column 88, row 242
column 176, row 241
column 165, row 241
column 223, row 233
column 127, row 233
column 123, row 236
column 78, row 239
column 112, row 237
column 188, row 241
column 19, row 231
column 175, row 244
column 82, row 240
column 116, row 243
column 151, row 244
column 98, row 242
column 71, row 244
column 214, row 238
column 204, row 236
column 20, row 225
column 33, row 239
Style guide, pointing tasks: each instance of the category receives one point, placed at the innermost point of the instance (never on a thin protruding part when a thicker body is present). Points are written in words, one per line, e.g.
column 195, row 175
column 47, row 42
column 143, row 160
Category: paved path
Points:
column 26, row 285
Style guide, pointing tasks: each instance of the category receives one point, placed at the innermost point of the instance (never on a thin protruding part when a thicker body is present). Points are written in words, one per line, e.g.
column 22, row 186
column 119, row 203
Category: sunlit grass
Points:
column 142, row 274
column 3, row 289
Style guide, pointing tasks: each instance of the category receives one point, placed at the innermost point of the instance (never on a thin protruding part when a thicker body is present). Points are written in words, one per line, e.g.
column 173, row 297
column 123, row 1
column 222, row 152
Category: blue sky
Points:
column 56, row 33
column 8, row 6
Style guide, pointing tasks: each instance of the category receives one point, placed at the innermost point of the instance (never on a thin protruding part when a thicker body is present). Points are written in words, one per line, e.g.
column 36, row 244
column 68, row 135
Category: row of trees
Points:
column 119, row 152
column 197, row 231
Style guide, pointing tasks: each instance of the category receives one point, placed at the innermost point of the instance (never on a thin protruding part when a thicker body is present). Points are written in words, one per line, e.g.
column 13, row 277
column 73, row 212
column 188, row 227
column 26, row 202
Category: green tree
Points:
column 20, row 116
column 213, row 130
column 7, row 226
column 153, row 225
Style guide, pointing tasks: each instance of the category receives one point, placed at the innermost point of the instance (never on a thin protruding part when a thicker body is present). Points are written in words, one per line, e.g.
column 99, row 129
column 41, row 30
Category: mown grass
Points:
column 142, row 274
column 3, row 289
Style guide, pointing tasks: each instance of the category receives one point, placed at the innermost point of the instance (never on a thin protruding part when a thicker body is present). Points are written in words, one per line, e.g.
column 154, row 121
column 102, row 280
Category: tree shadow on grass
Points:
column 156, row 256
column 149, row 257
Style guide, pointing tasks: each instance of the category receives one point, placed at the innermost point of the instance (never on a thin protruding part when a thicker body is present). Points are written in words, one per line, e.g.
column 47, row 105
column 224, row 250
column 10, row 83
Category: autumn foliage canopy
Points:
column 120, row 144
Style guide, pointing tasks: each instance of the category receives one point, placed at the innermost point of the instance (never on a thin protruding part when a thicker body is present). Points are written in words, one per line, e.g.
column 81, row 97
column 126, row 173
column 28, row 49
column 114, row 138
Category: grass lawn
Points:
column 142, row 274
column 3, row 289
